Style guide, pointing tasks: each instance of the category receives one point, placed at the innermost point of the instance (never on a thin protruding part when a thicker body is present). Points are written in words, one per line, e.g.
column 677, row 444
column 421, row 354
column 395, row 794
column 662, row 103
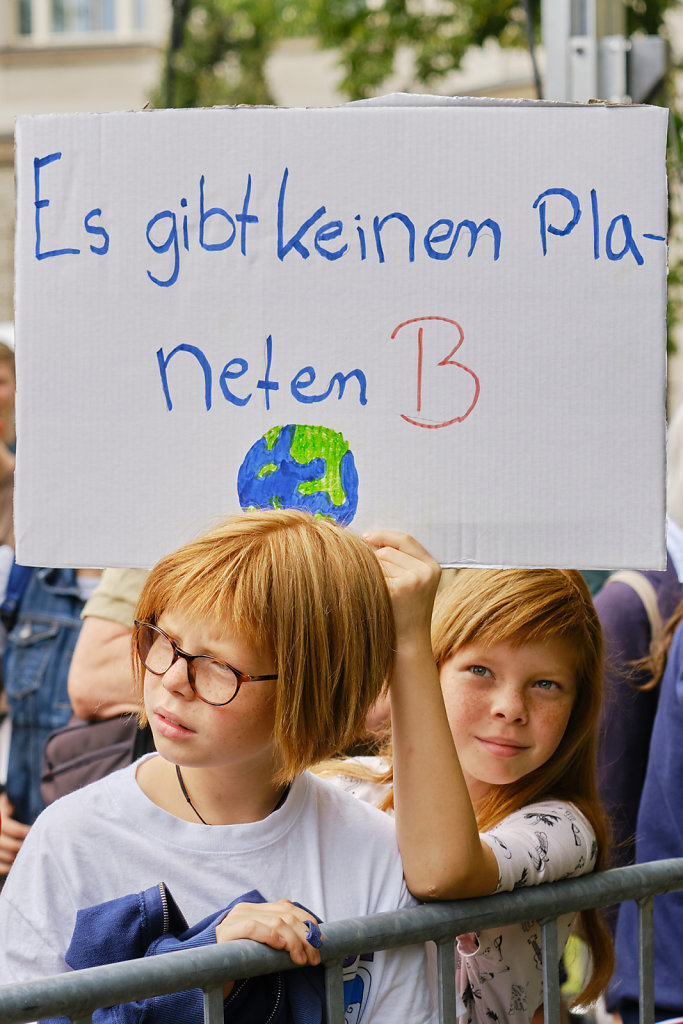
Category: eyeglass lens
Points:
column 213, row 681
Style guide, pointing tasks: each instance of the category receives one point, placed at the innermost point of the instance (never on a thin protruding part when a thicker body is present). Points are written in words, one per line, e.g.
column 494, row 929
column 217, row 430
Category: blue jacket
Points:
column 150, row 922
column 35, row 672
column 628, row 714
column 659, row 835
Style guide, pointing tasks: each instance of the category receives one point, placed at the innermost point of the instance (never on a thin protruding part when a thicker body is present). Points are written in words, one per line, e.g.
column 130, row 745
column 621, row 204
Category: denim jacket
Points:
column 35, row 671
column 148, row 923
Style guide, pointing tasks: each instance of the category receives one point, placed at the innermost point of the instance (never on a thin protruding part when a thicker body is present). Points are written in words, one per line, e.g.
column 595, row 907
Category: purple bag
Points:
column 82, row 752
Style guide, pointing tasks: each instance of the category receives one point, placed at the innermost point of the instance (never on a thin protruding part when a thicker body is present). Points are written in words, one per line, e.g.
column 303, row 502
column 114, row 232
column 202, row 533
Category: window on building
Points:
column 140, row 14
column 25, row 26
column 83, row 15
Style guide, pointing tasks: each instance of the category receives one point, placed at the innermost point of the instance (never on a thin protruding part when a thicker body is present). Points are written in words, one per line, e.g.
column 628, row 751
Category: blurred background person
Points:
column 43, row 626
column 632, row 607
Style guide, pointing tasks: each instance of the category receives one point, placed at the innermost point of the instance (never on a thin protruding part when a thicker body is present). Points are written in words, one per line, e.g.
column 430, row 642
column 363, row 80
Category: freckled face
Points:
column 188, row 731
column 508, row 708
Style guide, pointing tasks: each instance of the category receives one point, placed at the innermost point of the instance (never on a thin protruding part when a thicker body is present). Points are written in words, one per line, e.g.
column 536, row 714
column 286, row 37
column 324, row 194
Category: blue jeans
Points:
column 35, row 672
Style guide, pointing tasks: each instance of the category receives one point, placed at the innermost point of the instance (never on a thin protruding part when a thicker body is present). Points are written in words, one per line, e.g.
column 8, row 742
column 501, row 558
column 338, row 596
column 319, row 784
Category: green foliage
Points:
column 225, row 44
column 223, row 49
column 438, row 33
column 646, row 16
column 368, row 33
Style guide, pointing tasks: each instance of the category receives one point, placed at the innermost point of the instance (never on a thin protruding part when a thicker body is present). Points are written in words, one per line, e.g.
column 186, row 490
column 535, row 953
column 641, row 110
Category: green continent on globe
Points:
column 300, row 466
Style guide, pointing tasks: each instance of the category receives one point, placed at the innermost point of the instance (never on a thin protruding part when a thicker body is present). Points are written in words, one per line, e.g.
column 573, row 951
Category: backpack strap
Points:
column 645, row 591
column 19, row 575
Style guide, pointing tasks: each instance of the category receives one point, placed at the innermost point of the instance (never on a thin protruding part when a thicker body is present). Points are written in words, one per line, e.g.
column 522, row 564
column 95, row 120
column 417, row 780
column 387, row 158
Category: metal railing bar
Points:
column 79, row 993
column 551, row 974
column 445, row 965
column 334, row 993
column 213, row 1005
column 646, row 966
column 443, row 920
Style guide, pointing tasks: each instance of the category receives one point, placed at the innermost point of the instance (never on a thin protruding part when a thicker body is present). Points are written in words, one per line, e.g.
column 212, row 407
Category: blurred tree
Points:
column 219, row 48
column 647, row 16
column 368, row 34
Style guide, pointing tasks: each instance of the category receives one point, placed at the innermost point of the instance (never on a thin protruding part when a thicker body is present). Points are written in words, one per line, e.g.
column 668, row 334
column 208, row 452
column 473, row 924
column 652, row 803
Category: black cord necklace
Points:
column 187, row 796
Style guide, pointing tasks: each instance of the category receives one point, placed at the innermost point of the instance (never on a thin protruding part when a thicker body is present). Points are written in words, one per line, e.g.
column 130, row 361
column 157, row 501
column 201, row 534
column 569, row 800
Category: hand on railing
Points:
column 12, row 835
column 281, row 925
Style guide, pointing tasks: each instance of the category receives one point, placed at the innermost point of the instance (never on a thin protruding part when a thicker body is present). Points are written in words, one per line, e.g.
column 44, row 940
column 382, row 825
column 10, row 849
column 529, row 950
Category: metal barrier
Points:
column 78, row 994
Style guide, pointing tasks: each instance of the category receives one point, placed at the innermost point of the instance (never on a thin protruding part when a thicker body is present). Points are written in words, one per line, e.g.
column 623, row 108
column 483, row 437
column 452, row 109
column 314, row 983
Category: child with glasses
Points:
column 259, row 650
column 492, row 772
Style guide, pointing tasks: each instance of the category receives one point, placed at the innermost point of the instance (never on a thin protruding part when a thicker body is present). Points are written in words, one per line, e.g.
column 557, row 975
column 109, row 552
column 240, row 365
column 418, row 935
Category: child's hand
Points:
column 12, row 837
column 280, row 925
column 412, row 576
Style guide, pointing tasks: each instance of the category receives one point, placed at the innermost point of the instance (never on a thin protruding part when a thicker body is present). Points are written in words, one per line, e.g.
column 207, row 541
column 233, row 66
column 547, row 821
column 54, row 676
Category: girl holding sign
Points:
column 493, row 756
column 290, row 631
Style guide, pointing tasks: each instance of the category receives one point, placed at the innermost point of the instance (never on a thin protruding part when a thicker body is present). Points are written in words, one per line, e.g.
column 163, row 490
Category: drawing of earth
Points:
column 300, row 466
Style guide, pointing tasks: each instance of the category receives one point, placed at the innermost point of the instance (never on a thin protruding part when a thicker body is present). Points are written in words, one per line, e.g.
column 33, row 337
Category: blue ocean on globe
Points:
column 300, row 466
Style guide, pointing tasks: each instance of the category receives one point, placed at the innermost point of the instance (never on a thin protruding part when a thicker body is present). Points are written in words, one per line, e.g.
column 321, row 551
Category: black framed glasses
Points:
column 214, row 682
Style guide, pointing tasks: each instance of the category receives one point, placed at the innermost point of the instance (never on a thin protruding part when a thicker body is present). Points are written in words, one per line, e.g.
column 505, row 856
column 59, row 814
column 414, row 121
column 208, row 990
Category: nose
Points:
column 509, row 704
column 176, row 680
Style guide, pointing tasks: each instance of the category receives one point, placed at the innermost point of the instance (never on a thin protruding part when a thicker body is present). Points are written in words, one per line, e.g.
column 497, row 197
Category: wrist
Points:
column 415, row 653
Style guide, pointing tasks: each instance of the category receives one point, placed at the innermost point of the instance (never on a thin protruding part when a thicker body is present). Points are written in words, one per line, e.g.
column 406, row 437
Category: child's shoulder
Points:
column 109, row 803
column 542, row 842
column 354, row 842
column 359, row 777
column 550, row 815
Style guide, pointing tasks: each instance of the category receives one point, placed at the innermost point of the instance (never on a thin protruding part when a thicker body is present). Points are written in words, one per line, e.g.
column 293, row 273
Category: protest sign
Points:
column 446, row 319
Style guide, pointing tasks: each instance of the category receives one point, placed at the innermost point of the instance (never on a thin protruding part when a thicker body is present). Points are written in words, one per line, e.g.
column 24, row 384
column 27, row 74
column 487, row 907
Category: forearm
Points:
column 101, row 682
column 442, row 852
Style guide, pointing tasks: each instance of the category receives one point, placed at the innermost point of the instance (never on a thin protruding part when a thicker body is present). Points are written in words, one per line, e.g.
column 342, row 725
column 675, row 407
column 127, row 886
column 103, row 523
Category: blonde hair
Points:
column 7, row 356
column 313, row 593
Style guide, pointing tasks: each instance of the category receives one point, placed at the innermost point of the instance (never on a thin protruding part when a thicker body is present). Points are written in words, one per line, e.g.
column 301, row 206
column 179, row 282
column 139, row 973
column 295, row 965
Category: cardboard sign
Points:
column 446, row 319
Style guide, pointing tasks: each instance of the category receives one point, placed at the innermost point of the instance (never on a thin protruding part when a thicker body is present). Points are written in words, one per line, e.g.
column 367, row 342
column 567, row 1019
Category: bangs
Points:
column 210, row 586
column 514, row 627
column 514, row 606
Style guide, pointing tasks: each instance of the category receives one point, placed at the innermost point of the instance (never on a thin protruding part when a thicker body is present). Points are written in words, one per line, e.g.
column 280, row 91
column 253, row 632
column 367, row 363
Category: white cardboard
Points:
column 547, row 366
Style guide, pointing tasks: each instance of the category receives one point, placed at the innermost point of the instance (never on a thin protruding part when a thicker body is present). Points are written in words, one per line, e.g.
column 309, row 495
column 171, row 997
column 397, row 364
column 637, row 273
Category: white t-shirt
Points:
column 324, row 849
column 499, row 971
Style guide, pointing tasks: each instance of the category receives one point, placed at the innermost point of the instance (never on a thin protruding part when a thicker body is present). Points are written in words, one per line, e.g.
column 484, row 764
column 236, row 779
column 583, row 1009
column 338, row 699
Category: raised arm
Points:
column 442, row 852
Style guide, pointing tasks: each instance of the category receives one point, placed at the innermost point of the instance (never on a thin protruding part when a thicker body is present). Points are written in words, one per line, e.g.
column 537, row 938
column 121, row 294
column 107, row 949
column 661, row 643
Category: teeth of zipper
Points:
column 277, row 1001
column 237, row 988
column 164, row 904
column 240, row 985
